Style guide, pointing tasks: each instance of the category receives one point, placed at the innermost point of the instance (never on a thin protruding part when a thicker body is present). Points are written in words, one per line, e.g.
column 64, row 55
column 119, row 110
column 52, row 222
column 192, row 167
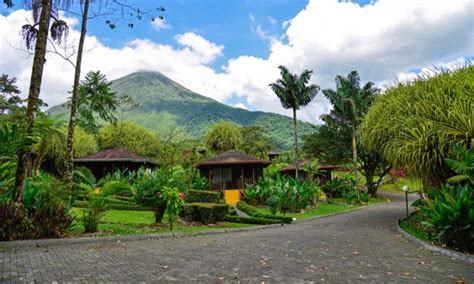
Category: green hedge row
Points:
column 203, row 196
column 204, row 212
column 251, row 211
column 251, row 220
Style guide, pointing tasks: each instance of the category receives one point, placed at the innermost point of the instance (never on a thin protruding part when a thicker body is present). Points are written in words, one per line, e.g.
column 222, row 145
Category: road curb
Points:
column 157, row 236
column 446, row 252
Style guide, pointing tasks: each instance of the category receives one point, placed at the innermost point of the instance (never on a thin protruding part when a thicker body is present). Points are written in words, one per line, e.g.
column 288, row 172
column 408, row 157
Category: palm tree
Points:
column 351, row 102
column 294, row 92
column 36, row 35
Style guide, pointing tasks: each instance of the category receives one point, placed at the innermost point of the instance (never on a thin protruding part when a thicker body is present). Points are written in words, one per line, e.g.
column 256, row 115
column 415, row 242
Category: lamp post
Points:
column 406, row 190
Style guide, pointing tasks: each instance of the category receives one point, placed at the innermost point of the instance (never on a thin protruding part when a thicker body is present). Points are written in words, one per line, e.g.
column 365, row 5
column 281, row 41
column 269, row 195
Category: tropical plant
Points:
column 174, row 201
column 9, row 95
column 448, row 215
column 350, row 102
column 255, row 141
column 415, row 124
column 294, row 93
column 223, row 136
column 462, row 164
column 36, row 34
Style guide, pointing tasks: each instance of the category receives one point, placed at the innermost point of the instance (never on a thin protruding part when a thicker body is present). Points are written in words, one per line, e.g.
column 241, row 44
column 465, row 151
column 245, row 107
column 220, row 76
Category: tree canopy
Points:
column 223, row 136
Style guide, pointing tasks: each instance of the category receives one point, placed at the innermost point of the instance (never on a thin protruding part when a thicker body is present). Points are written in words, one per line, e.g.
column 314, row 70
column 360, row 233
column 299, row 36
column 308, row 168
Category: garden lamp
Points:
column 406, row 190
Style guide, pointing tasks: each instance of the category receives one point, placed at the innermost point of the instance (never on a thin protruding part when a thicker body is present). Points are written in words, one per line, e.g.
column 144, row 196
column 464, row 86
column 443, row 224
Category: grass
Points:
column 121, row 222
column 322, row 209
column 413, row 227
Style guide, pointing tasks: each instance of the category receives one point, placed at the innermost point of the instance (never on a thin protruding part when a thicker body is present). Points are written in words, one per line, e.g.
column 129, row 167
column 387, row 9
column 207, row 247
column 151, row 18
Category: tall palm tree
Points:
column 36, row 36
column 351, row 102
column 294, row 92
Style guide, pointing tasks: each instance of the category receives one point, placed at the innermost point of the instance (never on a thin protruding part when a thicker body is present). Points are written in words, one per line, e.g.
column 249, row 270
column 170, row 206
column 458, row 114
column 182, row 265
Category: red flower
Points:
column 182, row 195
column 158, row 194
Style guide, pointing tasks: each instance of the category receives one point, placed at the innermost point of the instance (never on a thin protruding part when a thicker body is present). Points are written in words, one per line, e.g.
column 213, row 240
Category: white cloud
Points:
column 382, row 41
column 272, row 20
column 240, row 105
column 159, row 24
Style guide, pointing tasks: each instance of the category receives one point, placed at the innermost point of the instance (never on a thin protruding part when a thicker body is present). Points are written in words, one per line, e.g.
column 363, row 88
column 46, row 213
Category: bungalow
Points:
column 323, row 176
column 231, row 171
column 111, row 160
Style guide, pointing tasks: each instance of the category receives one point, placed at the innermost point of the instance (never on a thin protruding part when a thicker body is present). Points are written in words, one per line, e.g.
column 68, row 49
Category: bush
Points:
column 251, row 220
column 92, row 215
column 337, row 187
column 200, row 183
column 203, row 196
column 174, row 200
column 448, row 215
column 251, row 211
column 12, row 221
column 205, row 212
column 116, row 187
column 51, row 221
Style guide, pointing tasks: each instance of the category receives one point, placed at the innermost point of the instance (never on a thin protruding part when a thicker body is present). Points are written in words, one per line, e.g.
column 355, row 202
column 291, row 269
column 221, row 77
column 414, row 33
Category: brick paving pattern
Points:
column 360, row 246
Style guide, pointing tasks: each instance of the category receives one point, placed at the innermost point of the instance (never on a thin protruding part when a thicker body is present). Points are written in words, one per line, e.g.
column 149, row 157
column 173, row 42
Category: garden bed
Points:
column 128, row 222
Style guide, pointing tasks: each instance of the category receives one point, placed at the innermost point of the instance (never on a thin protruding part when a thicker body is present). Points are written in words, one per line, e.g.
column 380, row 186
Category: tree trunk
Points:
column 33, row 96
column 74, row 99
column 295, row 126
column 354, row 160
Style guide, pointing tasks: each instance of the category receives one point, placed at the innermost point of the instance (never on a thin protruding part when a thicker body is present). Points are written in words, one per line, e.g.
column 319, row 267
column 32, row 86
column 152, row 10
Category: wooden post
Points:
column 253, row 174
column 242, row 176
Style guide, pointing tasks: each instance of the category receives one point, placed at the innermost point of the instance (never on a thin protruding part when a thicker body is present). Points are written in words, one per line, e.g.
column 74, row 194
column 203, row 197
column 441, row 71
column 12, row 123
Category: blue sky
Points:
column 229, row 50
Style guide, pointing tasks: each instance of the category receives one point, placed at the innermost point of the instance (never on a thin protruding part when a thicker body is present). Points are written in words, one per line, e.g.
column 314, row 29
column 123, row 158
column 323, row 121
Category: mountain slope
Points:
column 164, row 103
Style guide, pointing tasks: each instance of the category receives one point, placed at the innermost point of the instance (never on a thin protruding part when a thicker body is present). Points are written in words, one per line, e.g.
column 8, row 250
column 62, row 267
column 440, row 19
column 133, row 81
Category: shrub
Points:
column 337, row 187
column 200, row 183
column 203, row 196
column 251, row 211
column 251, row 220
column 92, row 215
column 12, row 222
column 116, row 187
column 205, row 212
column 448, row 215
column 173, row 200
column 52, row 221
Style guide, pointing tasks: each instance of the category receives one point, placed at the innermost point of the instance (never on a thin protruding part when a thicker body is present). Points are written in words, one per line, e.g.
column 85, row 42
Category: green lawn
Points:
column 127, row 222
column 322, row 209
column 413, row 227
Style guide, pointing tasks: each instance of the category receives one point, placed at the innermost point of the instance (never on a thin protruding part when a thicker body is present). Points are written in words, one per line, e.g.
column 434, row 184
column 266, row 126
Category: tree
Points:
column 350, row 102
column 223, row 136
column 294, row 92
column 125, row 9
column 415, row 124
column 255, row 142
column 129, row 136
column 9, row 99
column 96, row 98
column 37, row 34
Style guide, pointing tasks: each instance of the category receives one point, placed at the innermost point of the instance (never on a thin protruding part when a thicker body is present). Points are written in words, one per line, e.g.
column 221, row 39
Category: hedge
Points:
column 251, row 211
column 204, row 212
column 251, row 220
column 203, row 196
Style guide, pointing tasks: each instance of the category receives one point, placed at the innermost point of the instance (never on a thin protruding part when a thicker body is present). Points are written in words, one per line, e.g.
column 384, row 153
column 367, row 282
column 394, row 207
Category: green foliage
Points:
column 255, row 141
column 336, row 187
column 251, row 220
column 449, row 216
column 173, row 201
column 223, row 136
column 462, row 164
column 9, row 95
column 96, row 98
column 205, row 213
column 203, row 196
column 282, row 194
column 116, row 187
column 173, row 106
column 7, row 180
column 415, row 124
column 251, row 211
column 129, row 136
column 92, row 215
column 12, row 222
column 200, row 183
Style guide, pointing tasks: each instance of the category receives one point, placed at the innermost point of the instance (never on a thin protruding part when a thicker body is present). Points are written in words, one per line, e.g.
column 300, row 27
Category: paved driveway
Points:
column 361, row 246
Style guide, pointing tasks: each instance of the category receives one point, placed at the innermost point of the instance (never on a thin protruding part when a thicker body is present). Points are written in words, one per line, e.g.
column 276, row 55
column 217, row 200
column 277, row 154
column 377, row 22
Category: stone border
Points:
column 157, row 236
column 446, row 252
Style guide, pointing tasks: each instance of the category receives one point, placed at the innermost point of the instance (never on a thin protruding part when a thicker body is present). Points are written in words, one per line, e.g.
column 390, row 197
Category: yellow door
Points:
column 232, row 196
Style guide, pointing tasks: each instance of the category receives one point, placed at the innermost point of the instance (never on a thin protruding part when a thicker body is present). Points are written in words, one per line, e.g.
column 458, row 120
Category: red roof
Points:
column 292, row 167
column 233, row 157
column 114, row 155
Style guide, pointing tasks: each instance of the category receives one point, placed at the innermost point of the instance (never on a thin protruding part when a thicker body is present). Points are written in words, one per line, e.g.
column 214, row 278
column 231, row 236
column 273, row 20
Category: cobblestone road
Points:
column 361, row 246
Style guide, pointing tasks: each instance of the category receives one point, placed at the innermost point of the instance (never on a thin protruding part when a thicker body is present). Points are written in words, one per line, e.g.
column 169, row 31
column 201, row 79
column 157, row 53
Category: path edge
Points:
column 446, row 252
